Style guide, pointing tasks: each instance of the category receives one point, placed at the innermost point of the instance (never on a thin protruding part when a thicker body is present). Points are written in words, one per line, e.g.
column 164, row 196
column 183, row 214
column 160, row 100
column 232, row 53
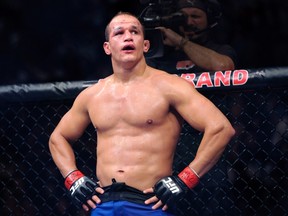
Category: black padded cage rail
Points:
column 249, row 179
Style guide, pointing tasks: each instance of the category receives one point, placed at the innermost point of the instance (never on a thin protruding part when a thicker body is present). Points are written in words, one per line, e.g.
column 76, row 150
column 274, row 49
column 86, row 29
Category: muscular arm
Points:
column 204, row 116
column 202, row 56
column 70, row 128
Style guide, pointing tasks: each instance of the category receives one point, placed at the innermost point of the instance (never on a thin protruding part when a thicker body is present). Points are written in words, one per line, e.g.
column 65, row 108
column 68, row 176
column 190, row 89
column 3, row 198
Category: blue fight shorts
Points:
column 125, row 208
column 120, row 199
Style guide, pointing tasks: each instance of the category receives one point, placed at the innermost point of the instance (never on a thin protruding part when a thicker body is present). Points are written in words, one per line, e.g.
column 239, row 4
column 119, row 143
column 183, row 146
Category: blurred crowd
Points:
column 49, row 41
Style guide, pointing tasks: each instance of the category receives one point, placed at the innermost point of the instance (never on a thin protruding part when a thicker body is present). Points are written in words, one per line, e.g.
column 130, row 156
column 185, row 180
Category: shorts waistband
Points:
column 120, row 191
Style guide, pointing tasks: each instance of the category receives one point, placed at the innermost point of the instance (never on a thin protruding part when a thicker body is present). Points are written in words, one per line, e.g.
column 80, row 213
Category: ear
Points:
column 146, row 46
column 106, row 47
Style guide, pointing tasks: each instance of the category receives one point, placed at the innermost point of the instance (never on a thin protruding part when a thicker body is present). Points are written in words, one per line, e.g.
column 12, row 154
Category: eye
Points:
column 118, row 33
column 197, row 16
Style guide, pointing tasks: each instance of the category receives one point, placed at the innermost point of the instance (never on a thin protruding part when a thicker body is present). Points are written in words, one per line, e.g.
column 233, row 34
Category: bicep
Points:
column 74, row 122
column 196, row 109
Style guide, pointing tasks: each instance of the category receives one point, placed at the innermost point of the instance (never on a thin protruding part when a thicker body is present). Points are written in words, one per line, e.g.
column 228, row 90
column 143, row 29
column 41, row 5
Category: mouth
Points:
column 128, row 48
column 191, row 29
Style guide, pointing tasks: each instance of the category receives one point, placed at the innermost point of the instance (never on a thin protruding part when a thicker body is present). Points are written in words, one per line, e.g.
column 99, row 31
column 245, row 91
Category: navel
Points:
column 149, row 121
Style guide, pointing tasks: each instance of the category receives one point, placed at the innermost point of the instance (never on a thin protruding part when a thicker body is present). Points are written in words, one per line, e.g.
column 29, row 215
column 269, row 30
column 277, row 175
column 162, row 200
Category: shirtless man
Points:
column 137, row 112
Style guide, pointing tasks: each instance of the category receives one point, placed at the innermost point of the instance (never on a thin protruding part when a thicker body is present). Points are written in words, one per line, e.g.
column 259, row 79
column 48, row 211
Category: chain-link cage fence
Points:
column 250, row 178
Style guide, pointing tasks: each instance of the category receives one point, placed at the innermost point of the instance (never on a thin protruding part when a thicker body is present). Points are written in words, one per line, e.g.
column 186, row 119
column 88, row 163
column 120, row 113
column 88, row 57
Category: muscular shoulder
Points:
column 91, row 91
column 171, row 85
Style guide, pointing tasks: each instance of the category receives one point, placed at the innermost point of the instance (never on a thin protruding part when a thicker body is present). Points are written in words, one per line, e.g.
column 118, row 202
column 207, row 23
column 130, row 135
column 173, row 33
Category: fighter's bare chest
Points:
column 137, row 109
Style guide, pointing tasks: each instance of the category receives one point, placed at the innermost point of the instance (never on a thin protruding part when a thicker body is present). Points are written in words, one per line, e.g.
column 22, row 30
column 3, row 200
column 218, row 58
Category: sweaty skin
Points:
column 137, row 113
column 131, row 144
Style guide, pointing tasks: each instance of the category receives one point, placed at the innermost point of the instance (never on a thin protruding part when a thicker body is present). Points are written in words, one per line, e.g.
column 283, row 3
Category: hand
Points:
column 83, row 190
column 170, row 37
column 155, row 200
column 169, row 190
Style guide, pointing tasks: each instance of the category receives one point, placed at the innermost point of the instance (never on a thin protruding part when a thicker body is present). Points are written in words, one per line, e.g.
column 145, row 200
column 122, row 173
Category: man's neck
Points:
column 127, row 73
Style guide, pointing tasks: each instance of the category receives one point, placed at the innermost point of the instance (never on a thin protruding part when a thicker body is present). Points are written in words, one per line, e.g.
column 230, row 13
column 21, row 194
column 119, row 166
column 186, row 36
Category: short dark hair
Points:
column 107, row 31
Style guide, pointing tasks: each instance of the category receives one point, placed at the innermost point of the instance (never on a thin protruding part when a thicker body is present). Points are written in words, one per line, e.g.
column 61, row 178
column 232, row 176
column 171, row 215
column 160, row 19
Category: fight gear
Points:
column 170, row 189
column 126, row 208
column 119, row 191
column 119, row 197
column 81, row 187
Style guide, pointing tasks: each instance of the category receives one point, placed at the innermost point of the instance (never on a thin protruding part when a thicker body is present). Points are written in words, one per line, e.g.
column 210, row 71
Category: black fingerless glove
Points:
column 81, row 188
column 170, row 189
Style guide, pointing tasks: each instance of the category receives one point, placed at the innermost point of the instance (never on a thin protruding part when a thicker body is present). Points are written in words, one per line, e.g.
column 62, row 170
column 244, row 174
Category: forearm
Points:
column 206, row 58
column 211, row 149
column 62, row 154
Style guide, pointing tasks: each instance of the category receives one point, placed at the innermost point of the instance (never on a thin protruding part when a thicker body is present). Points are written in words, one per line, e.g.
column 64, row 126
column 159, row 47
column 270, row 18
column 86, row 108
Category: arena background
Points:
column 250, row 179
column 51, row 50
column 60, row 40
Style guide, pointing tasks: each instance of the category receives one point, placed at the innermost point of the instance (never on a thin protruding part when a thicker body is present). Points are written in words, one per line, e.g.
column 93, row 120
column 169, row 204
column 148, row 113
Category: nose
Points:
column 127, row 36
column 190, row 21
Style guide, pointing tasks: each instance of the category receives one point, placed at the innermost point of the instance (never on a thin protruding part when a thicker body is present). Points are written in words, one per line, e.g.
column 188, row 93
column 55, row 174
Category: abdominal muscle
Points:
column 139, row 161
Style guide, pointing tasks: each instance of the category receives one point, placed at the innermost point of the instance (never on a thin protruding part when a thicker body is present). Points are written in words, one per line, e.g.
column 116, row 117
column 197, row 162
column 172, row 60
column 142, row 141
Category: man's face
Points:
column 196, row 20
column 126, row 39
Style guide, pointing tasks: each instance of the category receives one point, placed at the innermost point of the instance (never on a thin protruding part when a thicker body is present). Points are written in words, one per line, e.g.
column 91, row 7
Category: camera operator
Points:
column 191, row 48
